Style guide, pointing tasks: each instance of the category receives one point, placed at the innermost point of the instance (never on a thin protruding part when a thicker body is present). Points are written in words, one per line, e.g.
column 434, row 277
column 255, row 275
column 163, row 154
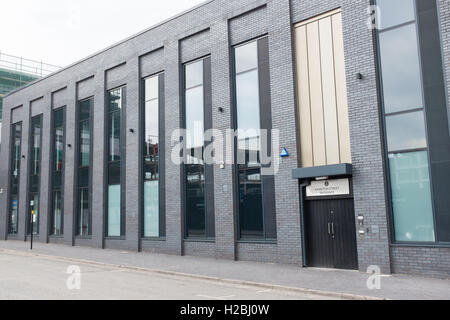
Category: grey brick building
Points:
column 358, row 93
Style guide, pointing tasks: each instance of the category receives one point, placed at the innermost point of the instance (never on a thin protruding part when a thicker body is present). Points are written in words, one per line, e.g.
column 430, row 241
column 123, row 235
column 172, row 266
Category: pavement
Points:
column 115, row 274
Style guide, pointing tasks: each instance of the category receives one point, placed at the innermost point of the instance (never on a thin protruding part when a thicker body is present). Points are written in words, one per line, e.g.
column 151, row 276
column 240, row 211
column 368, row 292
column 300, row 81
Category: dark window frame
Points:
column 266, row 182
column 52, row 170
column 161, row 156
column 10, row 182
column 386, row 152
column 29, row 178
column 77, row 167
column 209, row 219
column 122, row 161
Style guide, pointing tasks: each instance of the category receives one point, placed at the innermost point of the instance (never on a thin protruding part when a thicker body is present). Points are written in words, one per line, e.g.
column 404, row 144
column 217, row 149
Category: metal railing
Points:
column 27, row 66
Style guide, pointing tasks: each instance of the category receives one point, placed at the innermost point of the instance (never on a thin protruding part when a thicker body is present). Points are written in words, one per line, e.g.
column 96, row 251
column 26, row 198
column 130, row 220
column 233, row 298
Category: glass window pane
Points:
column 151, row 88
column 57, row 213
column 151, row 169
column 194, row 74
column 84, row 162
column 35, row 207
column 151, row 209
column 57, row 180
column 411, row 197
column 17, row 150
column 395, row 12
column 246, row 57
column 35, row 151
column 406, row 131
column 14, row 177
column 85, row 109
column 14, row 215
column 59, row 118
column 250, row 203
column 114, row 211
column 114, row 173
column 83, row 215
column 115, row 100
column 83, row 177
column 195, row 201
column 247, row 96
column 85, row 144
column 151, row 128
column 59, row 149
column 402, row 89
column 195, row 118
column 114, row 136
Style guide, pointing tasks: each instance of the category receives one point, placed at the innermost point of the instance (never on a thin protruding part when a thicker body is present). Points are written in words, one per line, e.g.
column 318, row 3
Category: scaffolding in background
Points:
column 16, row 72
column 21, row 65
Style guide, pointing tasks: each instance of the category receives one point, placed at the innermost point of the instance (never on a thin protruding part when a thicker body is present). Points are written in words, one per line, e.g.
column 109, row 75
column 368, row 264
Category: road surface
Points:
column 24, row 276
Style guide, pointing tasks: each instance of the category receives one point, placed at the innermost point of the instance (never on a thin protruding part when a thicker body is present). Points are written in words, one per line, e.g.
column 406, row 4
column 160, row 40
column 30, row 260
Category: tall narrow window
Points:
column 256, row 192
column 151, row 158
column 84, row 165
column 14, row 178
column 407, row 144
column 35, row 174
column 199, row 197
column 58, row 172
column 114, row 211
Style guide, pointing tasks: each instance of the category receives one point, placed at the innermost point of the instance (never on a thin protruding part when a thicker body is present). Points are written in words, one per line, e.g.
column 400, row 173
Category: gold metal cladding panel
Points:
column 304, row 114
column 322, row 102
column 315, row 80
column 341, row 90
column 329, row 92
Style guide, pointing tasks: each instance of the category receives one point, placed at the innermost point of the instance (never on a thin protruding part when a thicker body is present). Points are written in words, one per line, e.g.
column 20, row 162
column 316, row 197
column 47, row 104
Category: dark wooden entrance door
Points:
column 330, row 234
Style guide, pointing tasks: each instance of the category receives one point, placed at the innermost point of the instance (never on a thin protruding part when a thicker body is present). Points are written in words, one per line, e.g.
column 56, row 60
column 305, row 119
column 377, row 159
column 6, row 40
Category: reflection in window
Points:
column 393, row 13
column 14, row 178
column 401, row 69
column 406, row 131
column 410, row 182
column 151, row 158
column 84, row 164
column 35, row 174
column 58, row 167
column 405, row 123
column 114, row 216
column 194, row 164
column 251, row 222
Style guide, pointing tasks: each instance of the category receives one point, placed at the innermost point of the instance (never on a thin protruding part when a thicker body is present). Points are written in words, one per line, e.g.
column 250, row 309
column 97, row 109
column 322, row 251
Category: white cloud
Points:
column 61, row 32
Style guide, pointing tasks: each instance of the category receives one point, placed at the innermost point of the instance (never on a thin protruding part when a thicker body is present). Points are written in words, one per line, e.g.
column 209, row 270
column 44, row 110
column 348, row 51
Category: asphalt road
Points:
column 29, row 278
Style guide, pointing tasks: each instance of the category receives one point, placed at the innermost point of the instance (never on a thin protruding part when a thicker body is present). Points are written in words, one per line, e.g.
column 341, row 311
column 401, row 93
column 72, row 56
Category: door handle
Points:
column 332, row 229
column 329, row 228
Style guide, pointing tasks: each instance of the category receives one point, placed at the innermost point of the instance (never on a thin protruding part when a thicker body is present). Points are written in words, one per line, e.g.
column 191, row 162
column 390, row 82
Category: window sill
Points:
column 115, row 238
column 56, row 237
column 83, row 238
column 421, row 245
column 149, row 239
column 193, row 240
column 255, row 241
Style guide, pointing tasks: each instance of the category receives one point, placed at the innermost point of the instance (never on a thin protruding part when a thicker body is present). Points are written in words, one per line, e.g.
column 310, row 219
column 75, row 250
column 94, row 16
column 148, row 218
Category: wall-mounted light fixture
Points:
column 69, row 146
column 221, row 110
column 359, row 76
column 23, row 156
column 131, row 130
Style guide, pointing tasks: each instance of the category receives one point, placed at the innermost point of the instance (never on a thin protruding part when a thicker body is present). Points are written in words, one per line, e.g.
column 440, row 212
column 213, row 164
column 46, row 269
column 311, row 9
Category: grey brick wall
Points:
column 211, row 29
column 365, row 127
